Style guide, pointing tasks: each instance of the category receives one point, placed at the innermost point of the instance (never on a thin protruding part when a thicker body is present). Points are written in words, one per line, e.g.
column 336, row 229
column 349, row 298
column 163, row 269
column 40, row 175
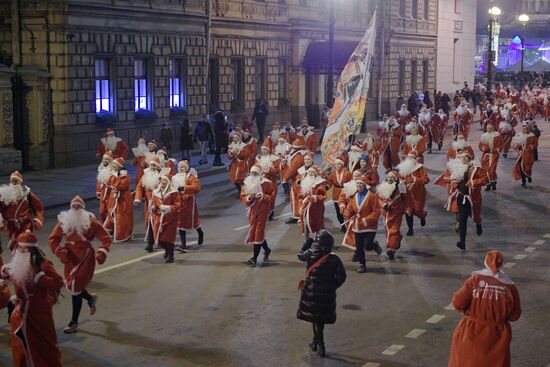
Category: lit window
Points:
column 141, row 85
column 178, row 87
column 102, row 86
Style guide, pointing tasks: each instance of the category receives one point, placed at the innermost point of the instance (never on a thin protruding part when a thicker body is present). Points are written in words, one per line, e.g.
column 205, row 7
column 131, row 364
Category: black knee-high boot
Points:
column 410, row 224
column 313, row 344
column 183, row 246
column 77, row 306
column 321, row 340
column 200, row 232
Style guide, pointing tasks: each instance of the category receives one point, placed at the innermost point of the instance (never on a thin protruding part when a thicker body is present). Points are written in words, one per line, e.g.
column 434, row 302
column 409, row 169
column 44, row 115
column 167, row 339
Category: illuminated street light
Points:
column 523, row 18
column 495, row 11
column 494, row 29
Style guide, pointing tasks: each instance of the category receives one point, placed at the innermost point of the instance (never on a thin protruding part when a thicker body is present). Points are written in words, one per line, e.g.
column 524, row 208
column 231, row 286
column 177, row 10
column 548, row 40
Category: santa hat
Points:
column 363, row 179
column 77, row 200
column 155, row 161
column 393, row 173
column 152, row 141
column 236, row 133
column 109, row 131
column 304, row 124
column 276, row 125
column 357, row 147
column 108, row 155
column 256, row 169
column 119, row 161
column 460, row 136
column 281, row 139
column 183, row 162
column 313, row 169
column 298, row 143
column 26, row 239
column 467, row 154
column 309, row 154
column 338, row 160
column 16, row 175
column 266, row 144
column 494, row 261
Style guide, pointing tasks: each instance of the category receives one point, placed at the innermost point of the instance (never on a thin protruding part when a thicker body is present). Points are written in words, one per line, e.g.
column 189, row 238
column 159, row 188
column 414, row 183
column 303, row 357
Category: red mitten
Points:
column 101, row 257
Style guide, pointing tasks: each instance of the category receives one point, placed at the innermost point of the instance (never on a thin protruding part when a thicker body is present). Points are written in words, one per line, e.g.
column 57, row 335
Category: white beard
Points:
column 459, row 145
column 265, row 162
column 140, row 150
column 383, row 125
column 457, row 168
column 282, row 149
column 275, row 133
column 505, row 126
column 20, row 268
column 179, row 179
column 413, row 140
column 11, row 194
column 354, row 158
column 308, row 184
column 252, row 185
column 236, row 148
column 350, row 188
column 103, row 174
column 149, row 156
column 442, row 115
column 370, row 142
column 460, row 110
column 504, row 112
column 410, row 126
column 425, row 116
column 150, row 179
column 407, row 167
column 403, row 112
column 386, row 189
column 520, row 139
column 77, row 221
column 488, row 138
column 111, row 143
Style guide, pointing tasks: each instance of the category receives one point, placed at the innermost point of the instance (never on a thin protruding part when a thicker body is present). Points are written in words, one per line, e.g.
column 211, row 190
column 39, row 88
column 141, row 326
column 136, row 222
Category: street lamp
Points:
column 523, row 18
column 494, row 29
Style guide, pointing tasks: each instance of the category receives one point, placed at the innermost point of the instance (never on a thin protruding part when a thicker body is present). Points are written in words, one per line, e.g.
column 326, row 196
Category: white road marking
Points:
column 133, row 261
column 283, row 216
column 393, row 349
column 546, row 235
column 530, row 249
column 372, row 364
column 241, row 228
column 539, row 242
column 450, row 307
column 520, row 257
column 509, row 265
column 435, row 319
column 415, row 333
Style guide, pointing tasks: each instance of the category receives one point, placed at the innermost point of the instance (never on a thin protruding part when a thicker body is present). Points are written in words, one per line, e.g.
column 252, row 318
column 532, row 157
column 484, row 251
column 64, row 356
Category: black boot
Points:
column 439, row 145
column 200, row 232
column 238, row 187
column 170, row 253
column 461, row 245
column 488, row 187
column 409, row 219
column 479, row 229
column 291, row 220
column 322, row 353
column 183, row 246
column 391, row 254
column 494, row 185
column 271, row 215
column 523, row 182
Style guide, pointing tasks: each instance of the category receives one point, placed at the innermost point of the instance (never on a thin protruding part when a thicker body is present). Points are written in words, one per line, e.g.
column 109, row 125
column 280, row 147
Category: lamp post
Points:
column 330, row 81
column 523, row 18
column 494, row 12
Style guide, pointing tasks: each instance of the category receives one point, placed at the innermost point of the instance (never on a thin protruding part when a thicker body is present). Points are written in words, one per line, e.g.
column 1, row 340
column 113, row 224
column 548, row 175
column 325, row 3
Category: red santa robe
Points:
column 414, row 144
column 18, row 207
column 372, row 147
column 463, row 122
column 238, row 168
column 4, row 289
column 337, row 180
column 403, row 117
column 390, row 141
column 250, row 151
column 120, row 208
column 494, row 120
column 188, row 212
column 392, row 202
column 477, row 177
column 348, row 190
column 525, row 145
column 312, row 210
column 458, row 147
column 490, row 145
column 360, row 217
column 77, row 253
column 119, row 149
column 164, row 215
column 144, row 190
column 32, row 328
column 507, row 133
column 102, row 190
column 438, row 127
column 270, row 165
column 141, row 162
column 416, row 179
column 354, row 156
column 488, row 303
column 257, row 206
column 289, row 173
column 311, row 140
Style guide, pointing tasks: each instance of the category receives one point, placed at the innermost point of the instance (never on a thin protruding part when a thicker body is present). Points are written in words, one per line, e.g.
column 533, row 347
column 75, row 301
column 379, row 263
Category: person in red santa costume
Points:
column 290, row 176
column 256, row 196
column 143, row 155
column 437, row 129
column 186, row 181
column 507, row 133
column 20, row 208
column 370, row 172
column 415, row 177
column 113, row 144
column 346, row 193
column 466, row 179
column 354, row 156
column 238, row 168
column 270, row 164
column 145, row 187
column 459, row 146
column 372, row 145
column 337, row 179
column 403, row 116
column 164, row 218
column 289, row 132
column 488, row 301
column 490, row 144
column 413, row 124
column 309, row 136
column 168, row 164
column 313, row 192
column 392, row 202
column 120, row 211
column 273, row 137
column 37, row 286
column 491, row 116
column 282, row 149
column 463, row 119
column 525, row 144
column 414, row 143
column 5, row 293
column 102, row 191
column 362, row 214
column 250, row 149
column 78, row 228
column 390, row 140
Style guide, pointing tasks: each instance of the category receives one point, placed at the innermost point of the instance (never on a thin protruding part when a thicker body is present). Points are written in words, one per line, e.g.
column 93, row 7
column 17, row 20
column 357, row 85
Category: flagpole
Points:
column 382, row 53
column 330, row 81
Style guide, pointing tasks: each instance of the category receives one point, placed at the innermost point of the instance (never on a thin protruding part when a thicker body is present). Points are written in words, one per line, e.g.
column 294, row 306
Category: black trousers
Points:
column 339, row 215
column 261, row 128
column 388, row 155
column 318, row 333
column 464, row 211
column 364, row 242
column 219, row 146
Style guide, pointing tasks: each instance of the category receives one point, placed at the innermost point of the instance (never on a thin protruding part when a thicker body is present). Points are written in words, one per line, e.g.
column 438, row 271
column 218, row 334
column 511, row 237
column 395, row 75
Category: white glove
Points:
column 123, row 173
column 402, row 187
column 136, row 202
column 165, row 208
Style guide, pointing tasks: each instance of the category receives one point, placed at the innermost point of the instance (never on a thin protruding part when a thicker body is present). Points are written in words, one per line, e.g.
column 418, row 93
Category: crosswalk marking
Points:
column 530, row 249
column 520, row 257
column 450, row 307
column 415, row 333
column 539, row 242
column 547, row 236
column 372, row 364
column 509, row 265
column 393, row 349
column 435, row 319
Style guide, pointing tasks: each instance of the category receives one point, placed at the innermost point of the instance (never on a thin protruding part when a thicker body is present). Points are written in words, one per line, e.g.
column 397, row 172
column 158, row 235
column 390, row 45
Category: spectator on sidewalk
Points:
column 412, row 104
column 427, row 100
column 399, row 102
column 220, row 136
column 166, row 137
column 203, row 133
column 445, row 100
column 260, row 115
column 186, row 139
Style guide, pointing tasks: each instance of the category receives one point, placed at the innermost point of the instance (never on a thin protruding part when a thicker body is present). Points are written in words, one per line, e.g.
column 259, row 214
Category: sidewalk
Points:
column 56, row 187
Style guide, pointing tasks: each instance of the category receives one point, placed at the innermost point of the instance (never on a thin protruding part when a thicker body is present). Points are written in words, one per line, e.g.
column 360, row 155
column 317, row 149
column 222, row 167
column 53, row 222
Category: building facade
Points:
column 70, row 68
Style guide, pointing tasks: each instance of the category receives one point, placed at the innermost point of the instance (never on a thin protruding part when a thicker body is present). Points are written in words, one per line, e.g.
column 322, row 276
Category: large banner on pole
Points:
column 350, row 99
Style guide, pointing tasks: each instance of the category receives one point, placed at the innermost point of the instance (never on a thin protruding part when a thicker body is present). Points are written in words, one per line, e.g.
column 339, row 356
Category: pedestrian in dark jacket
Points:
column 260, row 115
column 427, row 100
column 220, row 135
column 166, row 137
column 412, row 104
column 203, row 133
column 445, row 100
column 186, row 139
column 325, row 274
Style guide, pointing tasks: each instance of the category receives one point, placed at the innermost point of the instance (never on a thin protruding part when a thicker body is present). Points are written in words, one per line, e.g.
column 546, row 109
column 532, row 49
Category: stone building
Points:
column 69, row 68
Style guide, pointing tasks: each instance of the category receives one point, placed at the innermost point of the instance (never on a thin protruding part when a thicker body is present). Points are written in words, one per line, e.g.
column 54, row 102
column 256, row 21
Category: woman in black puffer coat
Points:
column 318, row 298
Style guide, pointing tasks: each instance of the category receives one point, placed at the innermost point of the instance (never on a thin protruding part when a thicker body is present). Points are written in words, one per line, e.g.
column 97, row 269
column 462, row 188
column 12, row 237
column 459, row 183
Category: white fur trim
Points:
column 38, row 276
column 101, row 249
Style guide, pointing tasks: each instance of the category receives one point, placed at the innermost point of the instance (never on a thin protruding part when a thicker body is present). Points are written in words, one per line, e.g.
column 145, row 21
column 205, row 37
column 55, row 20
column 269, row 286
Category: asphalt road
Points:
column 210, row 309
